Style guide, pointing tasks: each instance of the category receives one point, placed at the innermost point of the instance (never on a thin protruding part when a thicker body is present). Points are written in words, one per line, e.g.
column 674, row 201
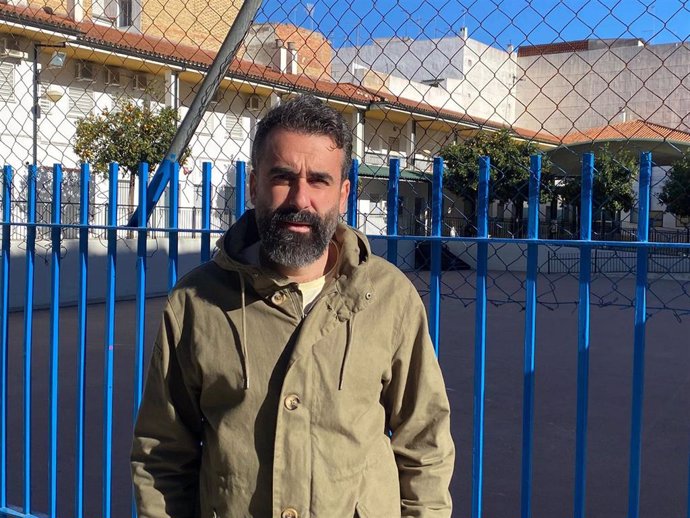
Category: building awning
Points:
column 381, row 172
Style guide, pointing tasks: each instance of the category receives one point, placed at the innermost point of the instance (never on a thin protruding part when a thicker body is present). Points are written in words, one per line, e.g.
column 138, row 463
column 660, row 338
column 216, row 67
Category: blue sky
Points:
column 495, row 22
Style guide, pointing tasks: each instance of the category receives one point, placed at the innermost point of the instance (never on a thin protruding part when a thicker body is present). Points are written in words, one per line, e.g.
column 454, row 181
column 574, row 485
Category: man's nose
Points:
column 299, row 194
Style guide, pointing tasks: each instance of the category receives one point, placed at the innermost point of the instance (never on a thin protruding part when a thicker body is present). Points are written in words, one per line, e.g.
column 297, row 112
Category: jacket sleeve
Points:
column 419, row 419
column 166, row 449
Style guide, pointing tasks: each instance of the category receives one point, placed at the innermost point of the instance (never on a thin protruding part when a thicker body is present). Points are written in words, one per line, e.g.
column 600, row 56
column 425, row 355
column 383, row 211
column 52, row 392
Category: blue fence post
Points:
column 435, row 273
column 173, row 231
column 586, row 200
column 240, row 188
column 28, row 328
column 141, row 287
column 206, row 169
column 352, row 198
column 81, row 348
column 480, row 335
column 640, row 328
column 4, row 336
column 55, row 230
column 530, row 334
column 140, row 302
column 113, row 174
column 392, row 210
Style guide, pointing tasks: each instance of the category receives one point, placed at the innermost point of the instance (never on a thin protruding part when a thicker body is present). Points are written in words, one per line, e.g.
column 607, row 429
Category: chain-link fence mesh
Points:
column 456, row 79
column 90, row 81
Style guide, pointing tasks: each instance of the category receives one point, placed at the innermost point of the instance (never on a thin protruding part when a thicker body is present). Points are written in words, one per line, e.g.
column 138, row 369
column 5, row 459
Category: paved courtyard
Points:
column 666, row 429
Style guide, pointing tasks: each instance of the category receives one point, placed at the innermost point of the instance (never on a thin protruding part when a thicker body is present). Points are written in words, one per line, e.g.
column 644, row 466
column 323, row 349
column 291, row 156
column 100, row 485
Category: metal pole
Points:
column 207, row 90
column 34, row 107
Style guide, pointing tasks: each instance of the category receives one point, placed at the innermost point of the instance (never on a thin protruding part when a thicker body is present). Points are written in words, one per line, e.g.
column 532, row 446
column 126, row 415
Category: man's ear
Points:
column 344, row 193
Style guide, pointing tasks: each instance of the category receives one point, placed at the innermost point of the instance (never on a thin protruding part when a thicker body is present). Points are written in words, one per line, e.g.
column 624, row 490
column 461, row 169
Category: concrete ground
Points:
column 666, row 429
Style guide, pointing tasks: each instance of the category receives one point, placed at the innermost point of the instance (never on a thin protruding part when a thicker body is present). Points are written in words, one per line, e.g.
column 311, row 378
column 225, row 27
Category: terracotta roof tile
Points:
column 632, row 130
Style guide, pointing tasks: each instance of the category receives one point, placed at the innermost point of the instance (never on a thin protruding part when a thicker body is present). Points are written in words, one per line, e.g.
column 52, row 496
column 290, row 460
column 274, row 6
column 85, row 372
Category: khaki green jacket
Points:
column 252, row 409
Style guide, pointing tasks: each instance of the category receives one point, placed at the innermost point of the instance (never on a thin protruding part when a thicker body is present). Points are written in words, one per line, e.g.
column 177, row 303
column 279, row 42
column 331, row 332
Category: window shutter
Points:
column 81, row 103
column 7, row 82
column 233, row 125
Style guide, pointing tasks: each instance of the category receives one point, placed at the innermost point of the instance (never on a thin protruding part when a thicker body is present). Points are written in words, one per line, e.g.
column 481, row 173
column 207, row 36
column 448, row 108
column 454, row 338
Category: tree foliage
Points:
column 612, row 188
column 676, row 191
column 128, row 135
column 510, row 165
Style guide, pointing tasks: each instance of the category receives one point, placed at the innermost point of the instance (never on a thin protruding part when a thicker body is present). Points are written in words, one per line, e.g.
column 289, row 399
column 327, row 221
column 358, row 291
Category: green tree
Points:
column 612, row 189
column 129, row 135
column 676, row 191
column 510, row 164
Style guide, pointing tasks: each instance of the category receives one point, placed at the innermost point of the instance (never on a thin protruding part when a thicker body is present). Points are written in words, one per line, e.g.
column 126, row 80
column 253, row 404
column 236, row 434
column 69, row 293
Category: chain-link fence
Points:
column 110, row 80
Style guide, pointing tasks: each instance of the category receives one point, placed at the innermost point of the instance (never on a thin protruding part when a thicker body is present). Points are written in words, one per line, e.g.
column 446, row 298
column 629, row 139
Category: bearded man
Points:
column 293, row 375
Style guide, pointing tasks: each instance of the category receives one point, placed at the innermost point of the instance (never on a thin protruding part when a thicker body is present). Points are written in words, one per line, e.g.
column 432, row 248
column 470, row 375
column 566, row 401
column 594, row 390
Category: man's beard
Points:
column 294, row 249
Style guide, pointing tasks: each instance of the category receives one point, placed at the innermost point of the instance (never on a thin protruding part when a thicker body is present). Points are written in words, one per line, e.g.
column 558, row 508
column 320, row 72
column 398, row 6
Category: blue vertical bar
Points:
column 173, row 224
column 352, row 198
column 141, row 287
column 205, row 211
column 113, row 174
column 480, row 335
column 28, row 328
column 640, row 329
column 435, row 274
column 530, row 336
column 55, row 254
column 240, row 188
column 4, row 310
column 583, row 333
column 392, row 212
column 143, row 175
column 81, row 349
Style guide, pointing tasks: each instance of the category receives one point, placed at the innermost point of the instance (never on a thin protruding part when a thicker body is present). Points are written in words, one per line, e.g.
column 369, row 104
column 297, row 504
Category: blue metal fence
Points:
column 482, row 241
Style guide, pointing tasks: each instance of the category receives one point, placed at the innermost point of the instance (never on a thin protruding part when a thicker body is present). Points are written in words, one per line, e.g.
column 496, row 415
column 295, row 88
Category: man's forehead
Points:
column 282, row 144
column 279, row 133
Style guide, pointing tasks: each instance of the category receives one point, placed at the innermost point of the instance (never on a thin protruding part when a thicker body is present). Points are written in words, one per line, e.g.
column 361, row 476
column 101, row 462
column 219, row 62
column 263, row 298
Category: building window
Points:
column 7, row 82
column 81, row 103
column 123, row 188
column 656, row 218
column 394, row 144
column 233, row 125
column 125, row 18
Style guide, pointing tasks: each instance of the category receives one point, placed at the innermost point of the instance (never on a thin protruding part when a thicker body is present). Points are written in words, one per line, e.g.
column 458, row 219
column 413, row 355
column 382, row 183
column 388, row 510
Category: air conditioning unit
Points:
column 85, row 71
column 140, row 82
column 254, row 103
column 112, row 77
column 9, row 50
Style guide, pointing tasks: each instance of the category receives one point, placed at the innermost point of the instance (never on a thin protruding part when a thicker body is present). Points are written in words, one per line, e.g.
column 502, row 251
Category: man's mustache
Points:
column 295, row 216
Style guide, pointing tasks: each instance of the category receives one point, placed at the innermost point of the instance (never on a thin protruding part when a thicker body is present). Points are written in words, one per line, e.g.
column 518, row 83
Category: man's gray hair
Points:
column 305, row 114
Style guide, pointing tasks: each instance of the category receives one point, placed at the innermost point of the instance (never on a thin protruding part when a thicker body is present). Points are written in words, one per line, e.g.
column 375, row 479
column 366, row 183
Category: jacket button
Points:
column 278, row 297
column 289, row 513
column 291, row 402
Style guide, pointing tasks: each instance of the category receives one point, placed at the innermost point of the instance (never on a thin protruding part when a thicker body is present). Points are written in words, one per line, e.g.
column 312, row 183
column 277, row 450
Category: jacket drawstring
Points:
column 243, row 340
column 348, row 342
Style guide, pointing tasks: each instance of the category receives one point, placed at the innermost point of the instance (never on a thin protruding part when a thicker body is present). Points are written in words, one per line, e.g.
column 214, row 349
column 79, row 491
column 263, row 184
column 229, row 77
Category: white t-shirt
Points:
column 309, row 290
